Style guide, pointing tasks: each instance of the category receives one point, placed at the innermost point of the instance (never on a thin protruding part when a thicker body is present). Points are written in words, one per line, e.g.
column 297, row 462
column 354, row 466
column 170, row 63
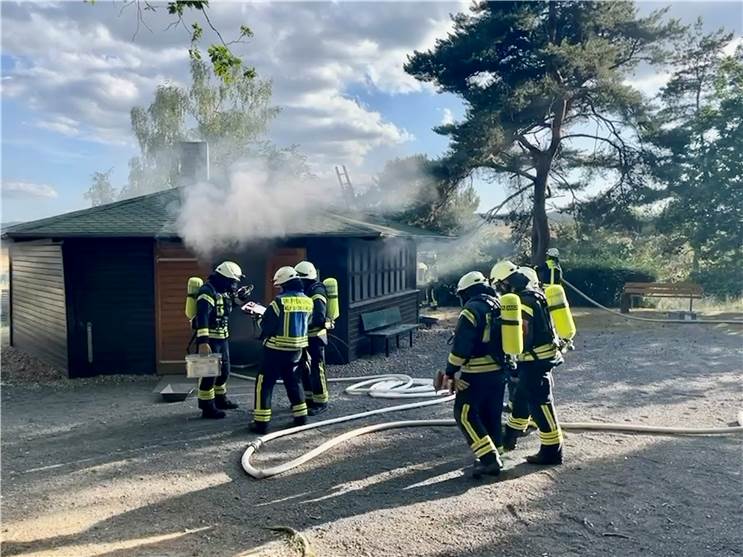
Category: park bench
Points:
column 386, row 323
column 659, row 290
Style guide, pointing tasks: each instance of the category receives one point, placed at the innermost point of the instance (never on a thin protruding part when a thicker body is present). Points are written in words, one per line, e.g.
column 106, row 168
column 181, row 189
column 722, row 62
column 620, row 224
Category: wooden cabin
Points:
column 102, row 290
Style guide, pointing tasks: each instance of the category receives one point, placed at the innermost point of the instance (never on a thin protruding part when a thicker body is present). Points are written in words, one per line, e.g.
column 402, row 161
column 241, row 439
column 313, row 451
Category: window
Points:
column 380, row 269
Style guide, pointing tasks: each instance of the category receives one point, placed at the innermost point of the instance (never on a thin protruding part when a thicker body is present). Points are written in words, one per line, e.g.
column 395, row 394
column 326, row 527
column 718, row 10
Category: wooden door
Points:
column 280, row 258
column 174, row 264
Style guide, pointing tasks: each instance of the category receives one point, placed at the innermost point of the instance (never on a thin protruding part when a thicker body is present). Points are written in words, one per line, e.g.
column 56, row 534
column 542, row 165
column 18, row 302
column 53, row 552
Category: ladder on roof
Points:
column 344, row 181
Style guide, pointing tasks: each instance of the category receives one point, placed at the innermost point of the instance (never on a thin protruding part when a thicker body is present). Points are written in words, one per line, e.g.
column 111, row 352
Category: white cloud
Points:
column 28, row 190
column 60, row 124
column 79, row 69
column 729, row 49
column 650, row 84
column 447, row 118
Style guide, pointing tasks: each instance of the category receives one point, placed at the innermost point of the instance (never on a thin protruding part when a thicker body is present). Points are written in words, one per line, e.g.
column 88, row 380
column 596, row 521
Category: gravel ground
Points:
column 100, row 468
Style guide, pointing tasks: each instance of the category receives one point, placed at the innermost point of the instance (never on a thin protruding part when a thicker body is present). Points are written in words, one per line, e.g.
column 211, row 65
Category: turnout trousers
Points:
column 533, row 397
column 314, row 380
column 209, row 387
column 278, row 364
column 477, row 411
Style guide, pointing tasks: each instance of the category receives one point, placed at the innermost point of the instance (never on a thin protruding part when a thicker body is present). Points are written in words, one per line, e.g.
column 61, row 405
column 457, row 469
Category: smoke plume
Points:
column 259, row 201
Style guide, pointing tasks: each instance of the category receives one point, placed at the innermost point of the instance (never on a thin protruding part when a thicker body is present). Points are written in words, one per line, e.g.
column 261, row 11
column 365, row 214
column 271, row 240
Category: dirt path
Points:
column 97, row 468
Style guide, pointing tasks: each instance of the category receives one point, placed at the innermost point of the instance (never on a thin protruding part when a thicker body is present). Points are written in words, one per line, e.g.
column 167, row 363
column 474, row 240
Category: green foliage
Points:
column 230, row 115
column 225, row 63
column 696, row 159
column 603, row 284
column 533, row 76
column 101, row 191
column 409, row 189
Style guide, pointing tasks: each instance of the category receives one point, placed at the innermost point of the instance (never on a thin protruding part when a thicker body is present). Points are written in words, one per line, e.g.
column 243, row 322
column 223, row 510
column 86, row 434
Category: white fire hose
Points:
column 400, row 386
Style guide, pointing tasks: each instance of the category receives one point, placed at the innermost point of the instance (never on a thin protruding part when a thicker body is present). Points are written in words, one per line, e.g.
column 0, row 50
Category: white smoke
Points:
column 259, row 201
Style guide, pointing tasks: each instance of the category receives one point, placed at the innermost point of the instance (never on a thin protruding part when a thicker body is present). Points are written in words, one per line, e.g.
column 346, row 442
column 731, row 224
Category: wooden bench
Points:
column 386, row 323
column 427, row 321
column 660, row 290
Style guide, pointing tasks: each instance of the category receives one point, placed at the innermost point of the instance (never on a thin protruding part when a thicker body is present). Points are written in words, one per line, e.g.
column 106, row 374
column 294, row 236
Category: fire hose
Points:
column 652, row 319
column 400, row 386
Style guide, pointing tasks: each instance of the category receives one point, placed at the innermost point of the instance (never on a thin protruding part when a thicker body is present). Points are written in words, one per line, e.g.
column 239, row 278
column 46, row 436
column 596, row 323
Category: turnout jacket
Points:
column 550, row 272
column 319, row 296
column 471, row 348
column 212, row 314
column 285, row 324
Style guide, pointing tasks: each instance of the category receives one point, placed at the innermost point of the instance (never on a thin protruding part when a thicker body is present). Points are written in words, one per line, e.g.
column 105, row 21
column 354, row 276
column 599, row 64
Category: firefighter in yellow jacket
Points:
column 480, row 386
column 541, row 355
column 312, row 365
column 550, row 272
column 284, row 330
column 214, row 303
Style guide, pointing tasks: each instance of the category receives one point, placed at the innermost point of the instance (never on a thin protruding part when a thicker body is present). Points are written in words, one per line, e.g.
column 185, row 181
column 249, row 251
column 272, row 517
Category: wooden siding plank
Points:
column 39, row 314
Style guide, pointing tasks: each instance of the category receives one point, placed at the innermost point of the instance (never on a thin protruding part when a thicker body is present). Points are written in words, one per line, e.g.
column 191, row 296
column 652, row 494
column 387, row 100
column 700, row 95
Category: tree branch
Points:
column 531, row 148
column 492, row 213
column 515, row 171
column 616, row 146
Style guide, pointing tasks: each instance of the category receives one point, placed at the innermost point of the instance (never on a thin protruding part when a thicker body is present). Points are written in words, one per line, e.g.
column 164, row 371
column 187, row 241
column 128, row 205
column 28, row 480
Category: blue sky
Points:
column 71, row 72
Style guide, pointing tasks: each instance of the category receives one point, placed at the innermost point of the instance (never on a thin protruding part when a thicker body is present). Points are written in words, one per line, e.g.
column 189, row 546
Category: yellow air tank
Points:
column 334, row 311
column 194, row 285
column 512, row 336
column 557, row 302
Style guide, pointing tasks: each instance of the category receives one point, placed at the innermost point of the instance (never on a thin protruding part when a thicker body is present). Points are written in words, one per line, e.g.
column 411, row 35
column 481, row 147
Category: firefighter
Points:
column 550, row 271
column 284, row 328
column 534, row 393
column 312, row 365
column 480, row 386
column 214, row 303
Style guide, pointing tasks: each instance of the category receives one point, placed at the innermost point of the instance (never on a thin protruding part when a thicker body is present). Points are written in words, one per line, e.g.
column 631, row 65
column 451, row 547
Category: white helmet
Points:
column 502, row 270
column 284, row 275
column 230, row 270
column 531, row 274
column 553, row 252
column 470, row 279
column 307, row 270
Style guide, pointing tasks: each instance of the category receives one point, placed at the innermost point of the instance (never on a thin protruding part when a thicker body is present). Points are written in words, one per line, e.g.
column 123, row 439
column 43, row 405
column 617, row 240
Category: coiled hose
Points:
column 398, row 386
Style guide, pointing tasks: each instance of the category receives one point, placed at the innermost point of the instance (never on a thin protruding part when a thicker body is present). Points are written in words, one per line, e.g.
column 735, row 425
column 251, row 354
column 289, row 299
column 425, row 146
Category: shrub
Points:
column 603, row 284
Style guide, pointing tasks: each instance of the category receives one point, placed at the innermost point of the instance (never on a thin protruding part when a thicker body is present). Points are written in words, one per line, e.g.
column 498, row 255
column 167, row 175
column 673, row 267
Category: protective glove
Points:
column 204, row 349
column 443, row 382
column 243, row 293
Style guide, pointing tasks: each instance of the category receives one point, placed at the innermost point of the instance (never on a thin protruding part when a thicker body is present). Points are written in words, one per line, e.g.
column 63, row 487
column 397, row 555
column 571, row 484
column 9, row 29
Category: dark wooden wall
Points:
column 358, row 342
column 110, row 286
column 330, row 256
column 381, row 273
column 38, row 310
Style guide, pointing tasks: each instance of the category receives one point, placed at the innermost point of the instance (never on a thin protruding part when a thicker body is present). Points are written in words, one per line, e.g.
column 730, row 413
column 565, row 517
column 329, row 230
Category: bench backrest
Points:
column 664, row 288
column 381, row 318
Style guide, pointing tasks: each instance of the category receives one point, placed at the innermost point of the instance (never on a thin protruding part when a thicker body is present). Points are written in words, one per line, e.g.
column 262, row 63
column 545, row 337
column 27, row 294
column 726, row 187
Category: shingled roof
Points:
column 154, row 216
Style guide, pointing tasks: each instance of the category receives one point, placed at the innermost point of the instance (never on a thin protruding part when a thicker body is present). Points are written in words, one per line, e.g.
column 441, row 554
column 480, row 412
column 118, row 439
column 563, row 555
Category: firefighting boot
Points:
column 489, row 465
column 547, row 456
column 300, row 420
column 317, row 408
column 209, row 411
column 224, row 403
column 261, row 428
column 510, row 438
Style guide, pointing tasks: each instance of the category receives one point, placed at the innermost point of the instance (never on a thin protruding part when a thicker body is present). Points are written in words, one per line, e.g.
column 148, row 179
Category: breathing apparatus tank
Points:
column 512, row 336
column 562, row 318
column 194, row 285
column 333, row 308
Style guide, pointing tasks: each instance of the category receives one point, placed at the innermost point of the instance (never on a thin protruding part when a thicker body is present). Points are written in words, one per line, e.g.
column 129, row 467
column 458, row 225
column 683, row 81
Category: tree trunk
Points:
column 540, row 232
